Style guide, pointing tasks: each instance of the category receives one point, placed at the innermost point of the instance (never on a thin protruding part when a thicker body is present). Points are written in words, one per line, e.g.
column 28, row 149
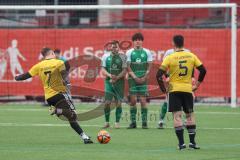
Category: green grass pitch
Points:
column 28, row 132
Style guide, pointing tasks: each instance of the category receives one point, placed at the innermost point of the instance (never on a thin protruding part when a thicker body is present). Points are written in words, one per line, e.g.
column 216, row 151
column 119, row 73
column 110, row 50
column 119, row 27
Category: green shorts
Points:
column 137, row 89
column 115, row 90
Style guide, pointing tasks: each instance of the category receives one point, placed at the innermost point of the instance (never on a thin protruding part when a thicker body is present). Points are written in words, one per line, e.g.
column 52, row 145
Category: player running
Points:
column 180, row 66
column 51, row 72
column 114, row 66
column 139, row 63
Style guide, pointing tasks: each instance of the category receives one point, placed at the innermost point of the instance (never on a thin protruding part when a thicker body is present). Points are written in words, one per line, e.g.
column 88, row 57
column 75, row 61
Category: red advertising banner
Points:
column 20, row 49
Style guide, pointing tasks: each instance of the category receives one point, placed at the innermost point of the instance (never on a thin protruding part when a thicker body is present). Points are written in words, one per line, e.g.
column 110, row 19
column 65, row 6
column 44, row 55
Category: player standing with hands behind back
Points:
column 180, row 66
column 139, row 63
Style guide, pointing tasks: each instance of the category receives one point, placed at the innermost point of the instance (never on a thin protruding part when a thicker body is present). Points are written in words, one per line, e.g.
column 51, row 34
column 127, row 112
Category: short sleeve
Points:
column 61, row 66
column 165, row 64
column 197, row 62
column 104, row 57
column 149, row 55
column 129, row 55
column 168, row 52
column 34, row 70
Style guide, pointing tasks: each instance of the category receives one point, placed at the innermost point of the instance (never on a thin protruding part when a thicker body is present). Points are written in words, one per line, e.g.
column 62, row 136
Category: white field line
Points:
column 90, row 125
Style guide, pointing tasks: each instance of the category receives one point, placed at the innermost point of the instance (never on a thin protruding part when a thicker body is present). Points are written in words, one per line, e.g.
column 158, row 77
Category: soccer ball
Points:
column 103, row 137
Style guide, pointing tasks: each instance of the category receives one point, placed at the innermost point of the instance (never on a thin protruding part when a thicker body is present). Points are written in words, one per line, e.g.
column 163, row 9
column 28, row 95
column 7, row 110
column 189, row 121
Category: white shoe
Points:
column 117, row 125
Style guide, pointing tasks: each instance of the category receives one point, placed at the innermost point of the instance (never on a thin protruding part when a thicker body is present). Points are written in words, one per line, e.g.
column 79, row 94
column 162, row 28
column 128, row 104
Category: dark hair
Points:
column 45, row 51
column 115, row 42
column 178, row 41
column 137, row 36
column 57, row 51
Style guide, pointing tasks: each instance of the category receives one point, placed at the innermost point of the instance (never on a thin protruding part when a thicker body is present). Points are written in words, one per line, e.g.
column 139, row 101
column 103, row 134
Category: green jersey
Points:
column 114, row 64
column 139, row 60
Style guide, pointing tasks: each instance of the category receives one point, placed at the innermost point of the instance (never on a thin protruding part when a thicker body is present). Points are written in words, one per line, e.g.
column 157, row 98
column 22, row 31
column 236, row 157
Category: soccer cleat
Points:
column 144, row 125
column 181, row 147
column 87, row 141
column 160, row 125
column 107, row 125
column 193, row 146
column 117, row 125
column 132, row 126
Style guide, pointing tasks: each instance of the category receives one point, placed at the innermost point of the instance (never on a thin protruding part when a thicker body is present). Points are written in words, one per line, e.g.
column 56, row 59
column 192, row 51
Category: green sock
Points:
column 118, row 113
column 133, row 112
column 144, row 112
column 163, row 111
column 107, row 113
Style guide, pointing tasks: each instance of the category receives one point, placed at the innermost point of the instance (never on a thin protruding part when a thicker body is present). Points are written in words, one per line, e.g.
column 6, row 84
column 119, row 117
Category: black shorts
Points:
column 61, row 100
column 178, row 101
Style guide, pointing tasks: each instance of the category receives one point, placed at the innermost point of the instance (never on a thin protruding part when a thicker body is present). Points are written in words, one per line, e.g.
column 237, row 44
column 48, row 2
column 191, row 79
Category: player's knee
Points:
column 118, row 103
column 70, row 114
column 177, row 119
column 190, row 120
column 107, row 103
column 133, row 103
column 143, row 104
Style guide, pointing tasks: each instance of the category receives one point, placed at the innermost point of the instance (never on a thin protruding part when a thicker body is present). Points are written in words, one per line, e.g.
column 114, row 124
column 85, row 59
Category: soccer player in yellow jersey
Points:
column 51, row 72
column 180, row 66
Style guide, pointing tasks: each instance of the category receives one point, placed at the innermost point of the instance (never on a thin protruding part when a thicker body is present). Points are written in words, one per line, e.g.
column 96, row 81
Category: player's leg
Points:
column 175, row 104
column 71, row 115
column 143, row 92
column 118, row 113
column 107, row 104
column 133, row 111
column 162, row 114
column 144, row 111
column 119, row 95
column 107, row 111
column 190, row 120
column 133, row 101
column 63, row 106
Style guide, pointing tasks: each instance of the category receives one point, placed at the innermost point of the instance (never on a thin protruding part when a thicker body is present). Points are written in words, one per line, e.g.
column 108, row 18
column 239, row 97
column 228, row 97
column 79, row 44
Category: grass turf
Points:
column 28, row 132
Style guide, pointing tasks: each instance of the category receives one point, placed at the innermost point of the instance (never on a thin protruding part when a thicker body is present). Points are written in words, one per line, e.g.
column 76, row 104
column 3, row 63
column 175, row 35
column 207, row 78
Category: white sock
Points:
column 84, row 136
column 161, row 121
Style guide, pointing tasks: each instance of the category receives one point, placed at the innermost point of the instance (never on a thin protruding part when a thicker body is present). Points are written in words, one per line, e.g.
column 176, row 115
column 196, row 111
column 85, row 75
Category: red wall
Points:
column 212, row 47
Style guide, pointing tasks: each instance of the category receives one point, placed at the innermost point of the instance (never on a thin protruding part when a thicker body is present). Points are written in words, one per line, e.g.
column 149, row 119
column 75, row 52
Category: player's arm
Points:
column 159, row 77
column 124, row 68
column 105, row 72
column 119, row 76
column 122, row 74
column 148, row 70
column 23, row 76
column 202, row 72
column 163, row 71
column 130, row 72
column 193, row 71
column 149, row 61
column 103, row 67
column 32, row 72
